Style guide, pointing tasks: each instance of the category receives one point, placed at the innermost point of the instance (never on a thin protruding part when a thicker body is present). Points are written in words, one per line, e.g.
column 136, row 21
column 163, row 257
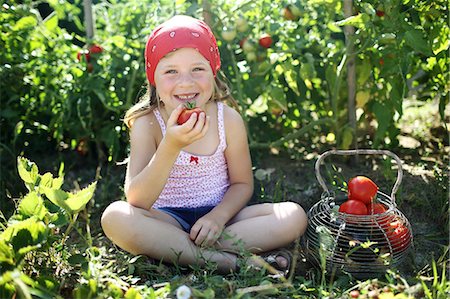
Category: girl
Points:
column 187, row 185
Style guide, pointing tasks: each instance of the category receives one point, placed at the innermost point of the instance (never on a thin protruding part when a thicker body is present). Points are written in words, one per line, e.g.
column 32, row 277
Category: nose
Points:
column 185, row 78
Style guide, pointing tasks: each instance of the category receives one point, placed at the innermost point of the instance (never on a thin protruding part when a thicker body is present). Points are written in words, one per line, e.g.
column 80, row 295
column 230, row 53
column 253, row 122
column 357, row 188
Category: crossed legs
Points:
column 260, row 228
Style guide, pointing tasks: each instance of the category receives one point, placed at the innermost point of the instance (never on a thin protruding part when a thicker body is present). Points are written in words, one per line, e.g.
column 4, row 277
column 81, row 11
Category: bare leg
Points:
column 158, row 235
column 264, row 227
column 153, row 233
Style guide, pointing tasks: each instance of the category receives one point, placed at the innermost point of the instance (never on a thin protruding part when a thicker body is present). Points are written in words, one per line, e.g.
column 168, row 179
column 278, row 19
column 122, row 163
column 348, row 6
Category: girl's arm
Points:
column 240, row 173
column 150, row 164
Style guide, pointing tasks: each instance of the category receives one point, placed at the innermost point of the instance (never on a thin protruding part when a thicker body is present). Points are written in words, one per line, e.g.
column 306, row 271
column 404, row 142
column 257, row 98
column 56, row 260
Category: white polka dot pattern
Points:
column 196, row 180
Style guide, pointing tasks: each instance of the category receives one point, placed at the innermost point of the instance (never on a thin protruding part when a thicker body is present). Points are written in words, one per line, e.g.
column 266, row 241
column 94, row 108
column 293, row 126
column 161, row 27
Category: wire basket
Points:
column 361, row 245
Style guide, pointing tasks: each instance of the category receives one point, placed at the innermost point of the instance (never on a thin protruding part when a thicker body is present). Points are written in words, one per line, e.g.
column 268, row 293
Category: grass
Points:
column 90, row 266
column 82, row 263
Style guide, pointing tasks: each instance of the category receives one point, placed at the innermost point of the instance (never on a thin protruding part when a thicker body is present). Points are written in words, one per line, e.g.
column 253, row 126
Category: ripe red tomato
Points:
column 354, row 294
column 354, row 207
column 376, row 208
column 398, row 235
column 96, row 49
column 84, row 55
column 380, row 13
column 265, row 40
column 188, row 110
column 362, row 188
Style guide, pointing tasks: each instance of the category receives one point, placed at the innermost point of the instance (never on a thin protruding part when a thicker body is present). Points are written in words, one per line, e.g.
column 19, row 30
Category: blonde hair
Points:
column 150, row 100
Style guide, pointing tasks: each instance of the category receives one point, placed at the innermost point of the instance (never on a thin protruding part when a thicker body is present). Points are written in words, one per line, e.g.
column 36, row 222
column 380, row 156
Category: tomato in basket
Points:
column 362, row 188
column 354, row 207
column 398, row 235
column 376, row 208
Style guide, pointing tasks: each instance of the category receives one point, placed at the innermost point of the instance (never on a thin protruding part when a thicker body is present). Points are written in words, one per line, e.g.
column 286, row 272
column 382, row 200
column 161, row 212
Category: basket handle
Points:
column 360, row 152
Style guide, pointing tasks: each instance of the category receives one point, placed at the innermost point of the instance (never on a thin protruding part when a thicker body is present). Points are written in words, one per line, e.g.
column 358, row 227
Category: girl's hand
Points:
column 206, row 231
column 192, row 130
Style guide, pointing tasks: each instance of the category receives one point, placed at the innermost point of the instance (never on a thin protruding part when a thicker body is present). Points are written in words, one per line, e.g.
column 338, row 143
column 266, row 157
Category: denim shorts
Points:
column 186, row 216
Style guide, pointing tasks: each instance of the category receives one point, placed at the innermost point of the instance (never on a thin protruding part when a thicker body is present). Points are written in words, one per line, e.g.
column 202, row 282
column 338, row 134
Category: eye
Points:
column 198, row 69
column 170, row 72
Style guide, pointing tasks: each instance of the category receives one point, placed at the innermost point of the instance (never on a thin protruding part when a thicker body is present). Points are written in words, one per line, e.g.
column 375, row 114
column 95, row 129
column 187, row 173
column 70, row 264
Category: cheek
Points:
column 207, row 84
column 163, row 86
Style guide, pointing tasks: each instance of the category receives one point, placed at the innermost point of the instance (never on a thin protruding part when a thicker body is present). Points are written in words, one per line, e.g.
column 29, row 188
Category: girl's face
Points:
column 184, row 76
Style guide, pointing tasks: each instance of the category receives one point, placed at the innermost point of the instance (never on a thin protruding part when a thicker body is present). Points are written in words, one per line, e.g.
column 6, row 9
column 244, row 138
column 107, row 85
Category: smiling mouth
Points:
column 187, row 97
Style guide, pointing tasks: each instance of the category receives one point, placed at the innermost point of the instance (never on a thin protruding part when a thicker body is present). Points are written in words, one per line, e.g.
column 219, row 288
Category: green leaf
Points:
column 57, row 182
column 58, row 197
column 100, row 94
column 77, row 259
column 346, row 138
column 6, row 253
column 440, row 40
column 51, row 22
column 28, row 171
column 48, row 181
column 414, row 38
column 25, row 234
column 364, row 70
column 32, row 204
column 384, row 115
column 132, row 293
column 78, row 201
column 396, row 94
column 307, row 71
column 71, row 202
column 278, row 96
column 118, row 41
column 25, row 23
column 291, row 76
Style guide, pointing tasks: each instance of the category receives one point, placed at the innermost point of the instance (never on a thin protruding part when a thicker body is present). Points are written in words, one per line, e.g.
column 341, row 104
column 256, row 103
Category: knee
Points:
column 113, row 217
column 298, row 219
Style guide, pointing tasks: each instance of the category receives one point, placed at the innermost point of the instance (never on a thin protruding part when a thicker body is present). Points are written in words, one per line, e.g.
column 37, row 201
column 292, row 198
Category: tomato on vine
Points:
column 265, row 40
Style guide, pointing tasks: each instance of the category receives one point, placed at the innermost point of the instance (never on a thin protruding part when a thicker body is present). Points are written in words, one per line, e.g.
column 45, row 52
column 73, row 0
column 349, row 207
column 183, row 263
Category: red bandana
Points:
column 180, row 32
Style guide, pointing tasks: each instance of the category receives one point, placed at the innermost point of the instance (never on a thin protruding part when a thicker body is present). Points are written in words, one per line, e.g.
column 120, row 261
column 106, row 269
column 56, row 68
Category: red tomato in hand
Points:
column 376, row 208
column 354, row 207
column 265, row 40
column 362, row 188
column 188, row 110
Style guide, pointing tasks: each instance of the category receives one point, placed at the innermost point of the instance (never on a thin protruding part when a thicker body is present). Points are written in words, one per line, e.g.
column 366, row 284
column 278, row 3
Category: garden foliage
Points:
column 292, row 92
column 35, row 229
